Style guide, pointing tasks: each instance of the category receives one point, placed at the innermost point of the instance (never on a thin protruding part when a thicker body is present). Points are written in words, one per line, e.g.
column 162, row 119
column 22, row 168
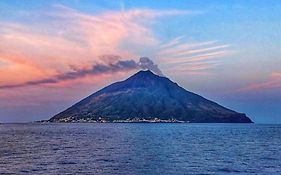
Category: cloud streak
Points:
column 273, row 82
column 193, row 58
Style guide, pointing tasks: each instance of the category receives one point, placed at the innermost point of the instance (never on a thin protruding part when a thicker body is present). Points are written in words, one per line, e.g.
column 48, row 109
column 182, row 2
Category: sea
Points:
column 140, row 148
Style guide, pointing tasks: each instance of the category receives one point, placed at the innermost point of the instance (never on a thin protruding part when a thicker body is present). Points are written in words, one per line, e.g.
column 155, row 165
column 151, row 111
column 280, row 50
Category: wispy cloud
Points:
column 198, row 58
column 171, row 43
column 181, row 45
column 200, row 51
column 193, row 58
column 273, row 82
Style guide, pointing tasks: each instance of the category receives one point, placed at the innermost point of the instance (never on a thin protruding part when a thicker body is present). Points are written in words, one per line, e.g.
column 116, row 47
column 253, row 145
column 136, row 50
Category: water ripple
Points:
column 140, row 149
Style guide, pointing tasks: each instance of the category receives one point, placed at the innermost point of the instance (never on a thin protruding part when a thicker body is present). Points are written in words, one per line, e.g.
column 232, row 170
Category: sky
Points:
column 54, row 53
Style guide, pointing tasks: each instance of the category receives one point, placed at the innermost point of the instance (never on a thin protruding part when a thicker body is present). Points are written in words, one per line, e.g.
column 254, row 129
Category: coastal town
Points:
column 106, row 120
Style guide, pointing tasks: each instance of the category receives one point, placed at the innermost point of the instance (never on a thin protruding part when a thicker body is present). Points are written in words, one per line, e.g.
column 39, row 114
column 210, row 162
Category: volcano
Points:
column 146, row 97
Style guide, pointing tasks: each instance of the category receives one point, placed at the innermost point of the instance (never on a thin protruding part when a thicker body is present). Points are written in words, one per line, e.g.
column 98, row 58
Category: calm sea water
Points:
column 140, row 149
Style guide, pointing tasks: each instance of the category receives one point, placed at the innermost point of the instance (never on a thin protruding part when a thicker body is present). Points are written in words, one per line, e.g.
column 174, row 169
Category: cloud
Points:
column 276, row 75
column 73, row 45
column 171, row 43
column 272, row 82
column 196, row 58
column 40, row 48
column 182, row 46
column 200, row 51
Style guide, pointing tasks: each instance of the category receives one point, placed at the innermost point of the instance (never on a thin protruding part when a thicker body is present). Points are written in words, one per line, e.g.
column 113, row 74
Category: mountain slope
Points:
column 148, row 96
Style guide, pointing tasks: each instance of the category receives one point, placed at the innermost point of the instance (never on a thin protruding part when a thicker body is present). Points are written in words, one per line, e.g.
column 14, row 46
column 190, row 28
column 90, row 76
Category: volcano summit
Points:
column 146, row 97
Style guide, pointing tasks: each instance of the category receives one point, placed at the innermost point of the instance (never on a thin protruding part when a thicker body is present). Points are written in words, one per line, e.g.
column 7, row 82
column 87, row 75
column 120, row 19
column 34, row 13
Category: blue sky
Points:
column 227, row 51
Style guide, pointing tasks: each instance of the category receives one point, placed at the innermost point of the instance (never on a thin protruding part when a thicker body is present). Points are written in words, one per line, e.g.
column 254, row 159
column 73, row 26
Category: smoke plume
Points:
column 147, row 64
column 118, row 66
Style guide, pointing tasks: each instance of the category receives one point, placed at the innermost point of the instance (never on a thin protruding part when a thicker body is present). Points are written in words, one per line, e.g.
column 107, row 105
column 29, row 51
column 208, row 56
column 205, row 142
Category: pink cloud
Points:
column 272, row 82
column 72, row 40
column 276, row 75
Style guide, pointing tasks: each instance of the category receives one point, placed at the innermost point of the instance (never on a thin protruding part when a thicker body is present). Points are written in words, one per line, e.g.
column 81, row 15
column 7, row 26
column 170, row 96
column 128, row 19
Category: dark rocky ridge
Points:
column 148, row 96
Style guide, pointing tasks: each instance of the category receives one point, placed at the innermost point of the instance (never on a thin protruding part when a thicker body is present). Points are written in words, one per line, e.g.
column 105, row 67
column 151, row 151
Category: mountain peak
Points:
column 145, row 75
column 145, row 72
column 146, row 95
